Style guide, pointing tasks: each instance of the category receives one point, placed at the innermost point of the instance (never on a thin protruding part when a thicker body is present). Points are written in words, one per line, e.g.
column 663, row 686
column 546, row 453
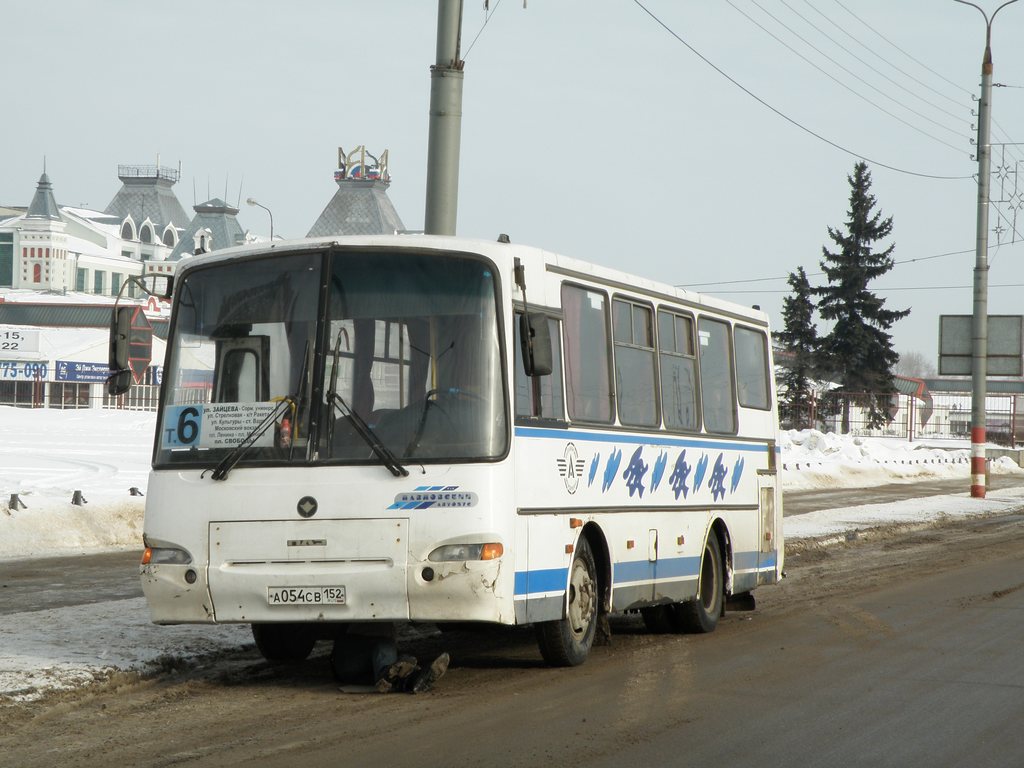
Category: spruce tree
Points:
column 859, row 348
column 799, row 339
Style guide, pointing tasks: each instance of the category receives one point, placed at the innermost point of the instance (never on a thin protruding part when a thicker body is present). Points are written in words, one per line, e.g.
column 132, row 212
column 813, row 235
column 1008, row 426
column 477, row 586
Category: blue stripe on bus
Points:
column 554, row 579
column 747, row 561
column 665, row 568
column 548, row 580
column 620, row 437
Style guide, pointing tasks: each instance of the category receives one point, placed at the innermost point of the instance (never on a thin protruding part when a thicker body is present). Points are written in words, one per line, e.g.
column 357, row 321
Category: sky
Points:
column 47, row 455
column 590, row 127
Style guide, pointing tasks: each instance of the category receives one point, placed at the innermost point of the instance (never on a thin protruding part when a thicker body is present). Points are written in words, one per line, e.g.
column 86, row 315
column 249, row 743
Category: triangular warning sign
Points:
column 140, row 345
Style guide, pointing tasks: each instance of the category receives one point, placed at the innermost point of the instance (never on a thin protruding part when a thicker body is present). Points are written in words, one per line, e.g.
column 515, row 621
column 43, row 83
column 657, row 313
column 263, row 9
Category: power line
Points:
column 487, row 20
column 890, row 42
column 886, row 290
column 914, row 260
column 874, row 69
column 916, row 61
column 849, row 72
column 815, row 274
column 781, row 114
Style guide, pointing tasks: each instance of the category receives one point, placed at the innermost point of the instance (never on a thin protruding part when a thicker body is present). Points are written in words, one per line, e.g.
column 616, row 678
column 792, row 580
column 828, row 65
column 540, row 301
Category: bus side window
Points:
column 717, row 392
column 678, row 371
column 539, row 396
column 752, row 368
column 587, row 354
column 633, row 331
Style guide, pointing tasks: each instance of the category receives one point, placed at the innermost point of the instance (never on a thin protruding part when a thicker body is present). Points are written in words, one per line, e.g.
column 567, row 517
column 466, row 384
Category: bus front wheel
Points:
column 567, row 642
column 283, row 642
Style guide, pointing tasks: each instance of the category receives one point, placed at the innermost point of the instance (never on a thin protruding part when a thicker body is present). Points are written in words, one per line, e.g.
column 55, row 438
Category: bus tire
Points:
column 283, row 642
column 567, row 642
column 701, row 614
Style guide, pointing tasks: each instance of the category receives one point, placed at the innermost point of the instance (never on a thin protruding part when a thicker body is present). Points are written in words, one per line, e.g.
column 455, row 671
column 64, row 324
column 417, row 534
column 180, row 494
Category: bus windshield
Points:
column 349, row 357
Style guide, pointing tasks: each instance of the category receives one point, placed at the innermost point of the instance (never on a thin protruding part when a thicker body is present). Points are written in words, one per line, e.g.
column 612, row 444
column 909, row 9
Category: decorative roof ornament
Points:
column 353, row 166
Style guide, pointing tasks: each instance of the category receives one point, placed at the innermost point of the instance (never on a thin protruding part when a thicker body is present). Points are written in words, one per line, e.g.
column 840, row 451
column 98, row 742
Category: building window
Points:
column 169, row 239
column 115, row 283
column 146, row 234
column 97, row 282
column 80, row 278
column 127, row 230
column 6, row 258
column 37, row 273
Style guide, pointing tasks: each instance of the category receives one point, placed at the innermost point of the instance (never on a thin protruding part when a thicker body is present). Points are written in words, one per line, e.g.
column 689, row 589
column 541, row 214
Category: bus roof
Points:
column 533, row 257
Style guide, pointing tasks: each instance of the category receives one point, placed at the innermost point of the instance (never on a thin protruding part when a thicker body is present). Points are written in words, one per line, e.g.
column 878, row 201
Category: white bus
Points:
column 353, row 431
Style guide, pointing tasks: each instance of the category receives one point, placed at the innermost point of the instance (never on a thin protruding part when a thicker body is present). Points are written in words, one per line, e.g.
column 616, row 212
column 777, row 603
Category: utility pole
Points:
column 445, row 133
column 979, row 324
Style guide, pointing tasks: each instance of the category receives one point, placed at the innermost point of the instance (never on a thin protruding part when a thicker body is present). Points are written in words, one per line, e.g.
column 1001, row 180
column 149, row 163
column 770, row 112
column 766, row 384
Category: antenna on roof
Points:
column 239, row 203
column 194, row 201
column 225, row 187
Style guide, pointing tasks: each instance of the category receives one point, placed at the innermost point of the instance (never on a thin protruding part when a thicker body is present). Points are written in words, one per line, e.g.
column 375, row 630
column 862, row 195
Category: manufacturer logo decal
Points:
column 571, row 468
column 307, row 506
column 437, row 496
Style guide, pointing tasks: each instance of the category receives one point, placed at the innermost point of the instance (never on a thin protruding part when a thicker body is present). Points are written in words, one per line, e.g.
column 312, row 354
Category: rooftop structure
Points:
column 361, row 205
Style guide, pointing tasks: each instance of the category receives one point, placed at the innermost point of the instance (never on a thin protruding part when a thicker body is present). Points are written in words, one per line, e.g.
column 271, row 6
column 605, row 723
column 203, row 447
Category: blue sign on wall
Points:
column 70, row 370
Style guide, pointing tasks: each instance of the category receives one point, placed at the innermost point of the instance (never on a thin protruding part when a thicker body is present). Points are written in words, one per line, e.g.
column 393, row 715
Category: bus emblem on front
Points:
column 307, row 506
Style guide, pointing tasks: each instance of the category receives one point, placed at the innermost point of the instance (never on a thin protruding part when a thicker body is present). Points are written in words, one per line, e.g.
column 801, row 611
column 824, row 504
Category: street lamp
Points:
column 979, row 324
column 252, row 201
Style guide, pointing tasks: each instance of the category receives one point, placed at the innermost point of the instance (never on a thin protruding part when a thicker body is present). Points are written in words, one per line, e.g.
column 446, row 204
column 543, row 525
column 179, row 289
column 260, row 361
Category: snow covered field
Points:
column 48, row 455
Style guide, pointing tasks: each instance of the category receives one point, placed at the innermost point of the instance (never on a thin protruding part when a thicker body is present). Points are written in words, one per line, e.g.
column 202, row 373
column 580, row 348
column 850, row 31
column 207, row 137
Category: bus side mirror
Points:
column 120, row 326
column 535, row 338
column 120, row 379
column 119, row 382
column 160, row 286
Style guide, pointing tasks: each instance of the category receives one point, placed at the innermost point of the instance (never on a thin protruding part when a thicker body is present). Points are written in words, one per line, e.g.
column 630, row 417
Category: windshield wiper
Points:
column 385, row 454
column 220, row 472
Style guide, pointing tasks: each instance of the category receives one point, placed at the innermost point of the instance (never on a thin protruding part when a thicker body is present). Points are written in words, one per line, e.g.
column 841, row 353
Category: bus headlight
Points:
column 456, row 552
column 165, row 556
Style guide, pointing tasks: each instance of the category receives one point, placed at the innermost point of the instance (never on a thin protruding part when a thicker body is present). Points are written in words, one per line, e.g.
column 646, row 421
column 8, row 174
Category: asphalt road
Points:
column 898, row 651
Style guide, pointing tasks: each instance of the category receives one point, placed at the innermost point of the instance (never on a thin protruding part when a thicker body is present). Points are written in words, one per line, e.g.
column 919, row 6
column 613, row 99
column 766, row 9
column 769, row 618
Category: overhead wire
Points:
column 849, row 72
column 901, row 86
column 917, row 61
column 783, row 115
column 488, row 15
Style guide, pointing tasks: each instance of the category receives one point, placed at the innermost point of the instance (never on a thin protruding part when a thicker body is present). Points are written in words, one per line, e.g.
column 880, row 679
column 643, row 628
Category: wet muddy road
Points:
column 895, row 649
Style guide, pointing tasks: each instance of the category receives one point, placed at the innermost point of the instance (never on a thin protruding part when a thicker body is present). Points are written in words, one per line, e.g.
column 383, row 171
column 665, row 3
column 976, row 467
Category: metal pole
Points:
column 979, row 324
column 445, row 132
column 270, row 213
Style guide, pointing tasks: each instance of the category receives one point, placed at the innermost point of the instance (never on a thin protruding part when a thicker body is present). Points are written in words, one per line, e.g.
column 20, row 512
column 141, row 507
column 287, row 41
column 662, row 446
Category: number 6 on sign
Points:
column 182, row 426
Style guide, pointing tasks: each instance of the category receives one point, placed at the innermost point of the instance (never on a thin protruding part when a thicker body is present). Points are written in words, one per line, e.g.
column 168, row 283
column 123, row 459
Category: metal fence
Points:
column 937, row 416
column 65, row 396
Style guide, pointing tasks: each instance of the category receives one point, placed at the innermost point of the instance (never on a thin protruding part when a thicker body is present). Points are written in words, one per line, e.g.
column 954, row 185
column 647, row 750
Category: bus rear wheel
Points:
column 701, row 614
column 567, row 642
column 283, row 642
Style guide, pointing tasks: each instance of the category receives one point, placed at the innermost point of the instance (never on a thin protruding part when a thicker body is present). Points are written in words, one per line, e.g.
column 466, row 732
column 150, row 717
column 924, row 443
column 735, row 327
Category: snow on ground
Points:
column 47, row 455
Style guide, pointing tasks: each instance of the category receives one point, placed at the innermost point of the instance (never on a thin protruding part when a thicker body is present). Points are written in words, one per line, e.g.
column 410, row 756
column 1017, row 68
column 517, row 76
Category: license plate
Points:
column 306, row 595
